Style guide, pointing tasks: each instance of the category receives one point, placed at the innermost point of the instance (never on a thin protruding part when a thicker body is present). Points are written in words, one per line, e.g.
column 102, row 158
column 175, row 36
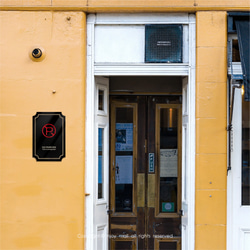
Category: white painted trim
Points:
column 141, row 69
column 229, row 212
column 144, row 69
column 90, row 130
column 235, row 161
column 192, row 129
column 142, row 18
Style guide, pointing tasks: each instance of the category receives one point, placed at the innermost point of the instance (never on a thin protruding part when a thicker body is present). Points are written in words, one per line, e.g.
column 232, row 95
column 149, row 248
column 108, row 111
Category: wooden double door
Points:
column 145, row 172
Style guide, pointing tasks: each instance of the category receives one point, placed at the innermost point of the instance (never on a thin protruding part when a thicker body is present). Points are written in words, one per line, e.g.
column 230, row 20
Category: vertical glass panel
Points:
column 168, row 160
column 124, row 160
column 100, row 100
column 100, row 163
column 245, row 152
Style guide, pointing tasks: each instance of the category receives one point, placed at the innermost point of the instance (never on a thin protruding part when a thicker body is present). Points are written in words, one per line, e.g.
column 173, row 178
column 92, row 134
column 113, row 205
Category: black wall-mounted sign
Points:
column 48, row 136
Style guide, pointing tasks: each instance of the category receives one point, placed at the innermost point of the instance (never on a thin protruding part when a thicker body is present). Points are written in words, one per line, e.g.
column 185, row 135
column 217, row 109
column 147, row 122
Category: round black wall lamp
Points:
column 37, row 54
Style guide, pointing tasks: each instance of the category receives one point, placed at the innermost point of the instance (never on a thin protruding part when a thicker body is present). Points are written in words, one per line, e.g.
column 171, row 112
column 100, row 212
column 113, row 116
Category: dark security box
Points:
column 163, row 43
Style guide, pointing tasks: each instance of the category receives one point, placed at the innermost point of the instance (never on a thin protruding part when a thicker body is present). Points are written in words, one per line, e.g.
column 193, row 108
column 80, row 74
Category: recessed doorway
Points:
column 145, row 162
column 142, row 122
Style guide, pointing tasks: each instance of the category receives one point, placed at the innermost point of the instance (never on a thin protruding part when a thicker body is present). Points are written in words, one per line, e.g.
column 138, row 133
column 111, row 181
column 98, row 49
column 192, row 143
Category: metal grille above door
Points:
column 163, row 43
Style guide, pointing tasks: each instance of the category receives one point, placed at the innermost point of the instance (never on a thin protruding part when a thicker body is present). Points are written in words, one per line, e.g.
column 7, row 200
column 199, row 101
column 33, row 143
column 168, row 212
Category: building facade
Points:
column 123, row 124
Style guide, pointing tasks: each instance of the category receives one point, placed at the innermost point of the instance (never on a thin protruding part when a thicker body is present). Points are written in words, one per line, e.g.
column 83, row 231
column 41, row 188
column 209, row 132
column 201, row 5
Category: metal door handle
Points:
column 181, row 212
column 109, row 211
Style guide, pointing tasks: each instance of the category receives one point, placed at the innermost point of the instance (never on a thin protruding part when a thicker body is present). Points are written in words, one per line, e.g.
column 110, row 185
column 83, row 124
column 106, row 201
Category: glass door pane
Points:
column 100, row 163
column 168, row 151
column 168, row 160
column 101, row 99
column 124, row 159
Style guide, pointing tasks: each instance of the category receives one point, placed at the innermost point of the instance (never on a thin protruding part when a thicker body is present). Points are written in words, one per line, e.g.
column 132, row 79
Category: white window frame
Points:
column 237, row 70
column 102, row 120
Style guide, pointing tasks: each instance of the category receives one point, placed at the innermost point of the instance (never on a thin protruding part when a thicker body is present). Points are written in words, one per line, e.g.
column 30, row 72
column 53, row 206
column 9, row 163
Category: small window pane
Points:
column 124, row 160
column 245, row 152
column 168, row 160
column 100, row 100
column 236, row 52
column 100, row 163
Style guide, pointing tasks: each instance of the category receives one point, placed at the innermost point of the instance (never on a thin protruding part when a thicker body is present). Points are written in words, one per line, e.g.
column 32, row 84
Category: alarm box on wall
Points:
column 163, row 43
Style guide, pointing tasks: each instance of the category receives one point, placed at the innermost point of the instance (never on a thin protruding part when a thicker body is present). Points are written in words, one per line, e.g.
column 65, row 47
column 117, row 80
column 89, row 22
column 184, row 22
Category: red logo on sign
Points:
column 49, row 130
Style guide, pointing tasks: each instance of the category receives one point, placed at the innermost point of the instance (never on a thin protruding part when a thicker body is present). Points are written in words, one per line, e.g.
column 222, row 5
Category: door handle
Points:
column 110, row 211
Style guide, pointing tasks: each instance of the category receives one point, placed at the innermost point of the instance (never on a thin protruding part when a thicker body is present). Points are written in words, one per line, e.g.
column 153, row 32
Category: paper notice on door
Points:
column 124, row 170
column 168, row 162
column 124, row 137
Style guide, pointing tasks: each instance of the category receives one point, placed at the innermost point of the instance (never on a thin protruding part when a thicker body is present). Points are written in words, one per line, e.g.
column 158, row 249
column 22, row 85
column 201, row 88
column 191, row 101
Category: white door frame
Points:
column 238, row 223
column 139, row 69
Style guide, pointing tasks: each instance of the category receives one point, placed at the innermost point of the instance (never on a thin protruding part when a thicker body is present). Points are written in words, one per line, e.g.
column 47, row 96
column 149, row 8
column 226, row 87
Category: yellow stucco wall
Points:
column 42, row 203
column 211, row 135
column 128, row 5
